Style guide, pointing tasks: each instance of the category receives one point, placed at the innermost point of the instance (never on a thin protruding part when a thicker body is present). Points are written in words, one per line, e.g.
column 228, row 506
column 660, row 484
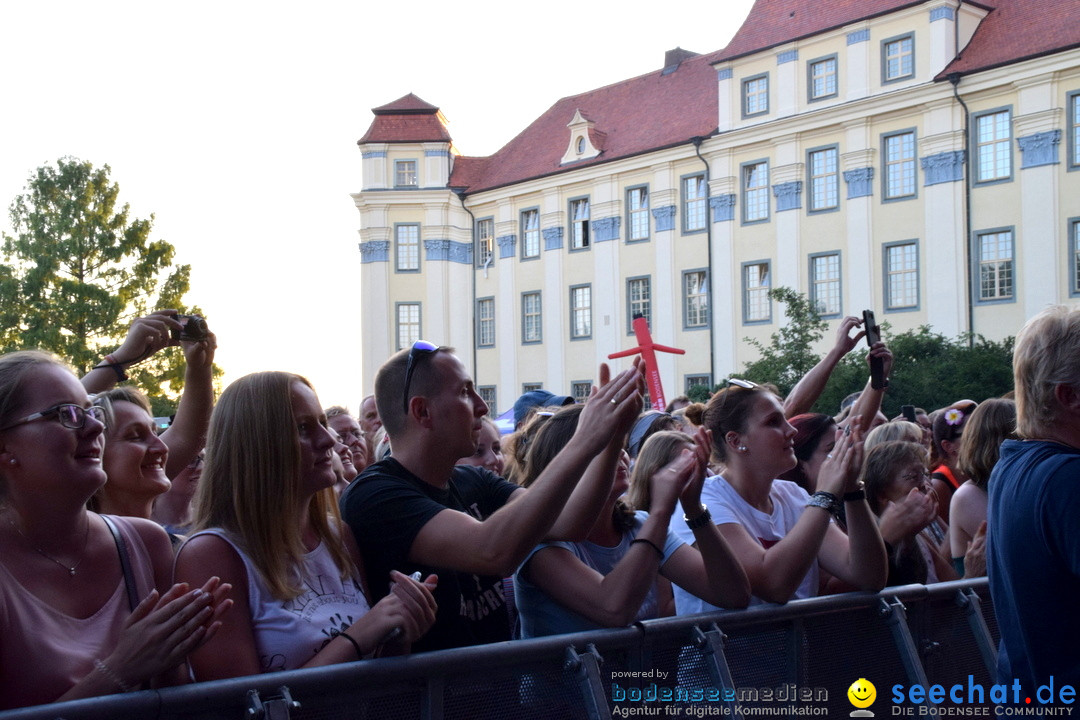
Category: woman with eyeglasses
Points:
column 778, row 531
column 266, row 520
column 86, row 602
column 895, row 471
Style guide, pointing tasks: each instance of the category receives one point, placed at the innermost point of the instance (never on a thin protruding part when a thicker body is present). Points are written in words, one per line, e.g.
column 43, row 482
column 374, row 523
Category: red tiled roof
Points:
column 468, row 170
column 775, row 22
column 407, row 119
column 633, row 116
column 1019, row 29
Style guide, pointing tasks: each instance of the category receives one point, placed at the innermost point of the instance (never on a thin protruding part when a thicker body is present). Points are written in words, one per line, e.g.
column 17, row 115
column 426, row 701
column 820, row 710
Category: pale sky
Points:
column 235, row 125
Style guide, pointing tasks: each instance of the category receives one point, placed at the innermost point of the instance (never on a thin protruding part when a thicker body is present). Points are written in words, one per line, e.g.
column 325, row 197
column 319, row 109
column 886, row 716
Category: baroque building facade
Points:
column 921, row 159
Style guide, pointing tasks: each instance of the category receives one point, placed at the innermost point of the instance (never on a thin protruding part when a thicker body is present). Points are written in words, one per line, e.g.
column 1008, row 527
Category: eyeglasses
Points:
column 420, row 349
column 744, row 384
column 70, row 416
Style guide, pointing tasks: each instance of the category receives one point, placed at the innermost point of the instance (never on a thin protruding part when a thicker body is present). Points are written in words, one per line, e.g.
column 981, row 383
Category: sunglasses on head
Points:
column 420, row 349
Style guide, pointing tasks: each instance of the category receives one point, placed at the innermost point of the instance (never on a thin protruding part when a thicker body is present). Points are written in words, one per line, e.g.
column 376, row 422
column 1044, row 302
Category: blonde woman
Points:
column 267, row 519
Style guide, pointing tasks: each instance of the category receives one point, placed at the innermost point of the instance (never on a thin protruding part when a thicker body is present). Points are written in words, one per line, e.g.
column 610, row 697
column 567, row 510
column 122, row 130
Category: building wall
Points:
column 841, row 139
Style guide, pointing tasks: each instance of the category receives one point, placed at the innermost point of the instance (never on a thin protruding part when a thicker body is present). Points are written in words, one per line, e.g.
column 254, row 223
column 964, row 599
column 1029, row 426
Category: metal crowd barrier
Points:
column 719, row 662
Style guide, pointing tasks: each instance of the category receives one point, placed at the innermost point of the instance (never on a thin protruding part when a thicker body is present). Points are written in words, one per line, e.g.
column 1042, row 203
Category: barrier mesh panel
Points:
column 840, row 648
column 544, row 691
column 947, row 645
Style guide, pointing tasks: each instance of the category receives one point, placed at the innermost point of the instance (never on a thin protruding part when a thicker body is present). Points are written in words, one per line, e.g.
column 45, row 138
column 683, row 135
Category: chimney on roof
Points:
column 674, row 58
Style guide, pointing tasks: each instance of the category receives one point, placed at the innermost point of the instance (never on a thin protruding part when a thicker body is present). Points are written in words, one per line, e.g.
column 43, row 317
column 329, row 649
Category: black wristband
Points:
column 855, row 495
column 117, row 367
column 651, row 544
column 356, row 645
column 700, row 521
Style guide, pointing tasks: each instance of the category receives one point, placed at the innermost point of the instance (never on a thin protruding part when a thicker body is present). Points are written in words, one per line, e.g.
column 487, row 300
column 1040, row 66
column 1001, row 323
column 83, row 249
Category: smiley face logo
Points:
column 862, row 693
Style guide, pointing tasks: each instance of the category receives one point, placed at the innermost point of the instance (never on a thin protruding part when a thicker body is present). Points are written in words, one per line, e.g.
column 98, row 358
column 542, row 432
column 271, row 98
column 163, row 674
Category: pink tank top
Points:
column 44, row 652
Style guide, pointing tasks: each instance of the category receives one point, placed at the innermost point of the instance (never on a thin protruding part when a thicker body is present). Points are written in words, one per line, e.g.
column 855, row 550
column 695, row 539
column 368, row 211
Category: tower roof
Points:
column 406, row 120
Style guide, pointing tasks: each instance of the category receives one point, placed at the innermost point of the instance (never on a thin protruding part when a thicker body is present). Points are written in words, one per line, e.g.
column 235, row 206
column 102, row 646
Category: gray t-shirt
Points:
column 540, row 615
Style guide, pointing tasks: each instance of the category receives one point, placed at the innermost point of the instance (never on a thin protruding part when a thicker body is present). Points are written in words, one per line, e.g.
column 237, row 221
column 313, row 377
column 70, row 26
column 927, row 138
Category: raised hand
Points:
column 840, row 471
column 845, row 341
column 147, row 335
column 906, row 518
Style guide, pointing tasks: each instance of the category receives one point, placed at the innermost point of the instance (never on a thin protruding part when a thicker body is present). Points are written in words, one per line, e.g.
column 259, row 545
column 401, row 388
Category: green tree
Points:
column 790, row 352
column 80, row 269
column 930, row 370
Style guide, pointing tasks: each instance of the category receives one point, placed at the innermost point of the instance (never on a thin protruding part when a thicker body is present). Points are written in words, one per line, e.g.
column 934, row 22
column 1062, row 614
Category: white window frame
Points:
column 637, row 213
column 900, row 263
column 695, row 203
column 823, row 178
column 580, row 312
column 900, row 181
column 408, row 317
column 826, row 292
column 406, row 174
column 485, row 241
column 754, row 183
column 757, row 305
column 407, row 247
column 993, row 146
column 579, row 214
column 532, row 318
column 755, row 96
column 485, row 322
column 695, row 304
column 530, row 233
column 826, row 71
column 638, row 300
column 995, row 265
column 898, row 58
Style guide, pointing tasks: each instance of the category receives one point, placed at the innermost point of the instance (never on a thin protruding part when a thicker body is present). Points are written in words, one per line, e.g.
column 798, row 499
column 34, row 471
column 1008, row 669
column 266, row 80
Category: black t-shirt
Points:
column 387, row 506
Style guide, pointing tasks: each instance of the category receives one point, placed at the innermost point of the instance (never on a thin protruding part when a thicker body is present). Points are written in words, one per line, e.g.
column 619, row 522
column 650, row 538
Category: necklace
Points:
column 42, row 553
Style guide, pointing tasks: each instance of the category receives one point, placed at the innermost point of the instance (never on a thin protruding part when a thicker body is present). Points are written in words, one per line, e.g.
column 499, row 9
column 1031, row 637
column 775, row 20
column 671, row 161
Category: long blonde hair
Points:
column 660, row 449
column 250, row 485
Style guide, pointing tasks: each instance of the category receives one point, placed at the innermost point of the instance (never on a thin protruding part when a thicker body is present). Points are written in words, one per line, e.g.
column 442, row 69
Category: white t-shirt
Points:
column 727, row 506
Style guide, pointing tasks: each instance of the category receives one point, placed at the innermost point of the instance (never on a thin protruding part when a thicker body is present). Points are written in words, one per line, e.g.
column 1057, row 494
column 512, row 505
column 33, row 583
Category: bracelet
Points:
column 107, row 671
column 826, row 501
column 701, row 520
column 855, row 495
column 356, row 645
column 651, row 544
column 116, row 367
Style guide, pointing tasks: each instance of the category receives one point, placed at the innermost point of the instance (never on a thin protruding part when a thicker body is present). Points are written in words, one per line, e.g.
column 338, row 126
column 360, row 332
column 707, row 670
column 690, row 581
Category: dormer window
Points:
column 586, row 141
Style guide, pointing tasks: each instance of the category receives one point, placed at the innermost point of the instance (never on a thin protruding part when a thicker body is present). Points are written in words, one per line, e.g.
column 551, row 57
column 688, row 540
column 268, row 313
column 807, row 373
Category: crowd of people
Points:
column 268, row 532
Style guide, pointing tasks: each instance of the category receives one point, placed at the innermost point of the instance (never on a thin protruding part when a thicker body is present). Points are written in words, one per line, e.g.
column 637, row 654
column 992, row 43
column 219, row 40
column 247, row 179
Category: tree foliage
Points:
column 79, row 269
column 930, row 370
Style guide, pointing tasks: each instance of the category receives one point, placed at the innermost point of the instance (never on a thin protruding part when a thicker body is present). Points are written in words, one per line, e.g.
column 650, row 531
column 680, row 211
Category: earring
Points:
column 742, row 448
column 11, row 461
